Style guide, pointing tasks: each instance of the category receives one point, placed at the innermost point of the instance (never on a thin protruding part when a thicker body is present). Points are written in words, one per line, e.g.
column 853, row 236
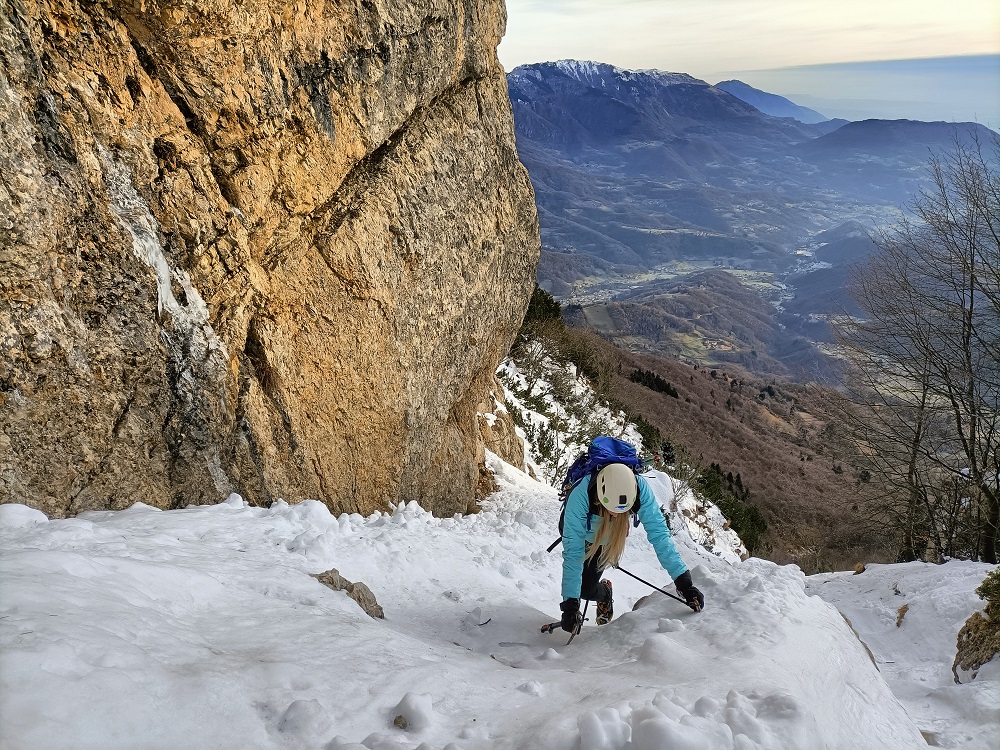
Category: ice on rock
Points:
column 417, row 709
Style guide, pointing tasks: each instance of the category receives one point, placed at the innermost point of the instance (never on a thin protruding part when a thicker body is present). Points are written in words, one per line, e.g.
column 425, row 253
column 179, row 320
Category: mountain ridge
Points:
column 771, row 104
column 639, row 182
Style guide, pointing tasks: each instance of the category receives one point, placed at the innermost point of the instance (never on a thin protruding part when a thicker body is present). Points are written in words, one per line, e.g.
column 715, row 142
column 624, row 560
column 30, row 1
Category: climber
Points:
column 594, row 528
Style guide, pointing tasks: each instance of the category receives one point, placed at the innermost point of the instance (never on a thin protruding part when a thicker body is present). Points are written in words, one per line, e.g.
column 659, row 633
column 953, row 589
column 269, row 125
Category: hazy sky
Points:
column 703, row 37
column 748, row 39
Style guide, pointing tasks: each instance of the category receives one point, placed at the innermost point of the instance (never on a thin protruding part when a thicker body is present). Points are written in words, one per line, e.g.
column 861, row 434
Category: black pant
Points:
column 590, row 587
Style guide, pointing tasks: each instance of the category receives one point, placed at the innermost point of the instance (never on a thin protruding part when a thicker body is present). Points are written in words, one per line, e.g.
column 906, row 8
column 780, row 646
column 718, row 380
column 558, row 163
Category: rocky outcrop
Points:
column 359, row 592
column 979, row 639
column 277, row 249
column 497, row 429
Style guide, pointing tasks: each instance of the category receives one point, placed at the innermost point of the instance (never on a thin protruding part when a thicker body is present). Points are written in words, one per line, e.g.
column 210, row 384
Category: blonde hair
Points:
column 610, row 538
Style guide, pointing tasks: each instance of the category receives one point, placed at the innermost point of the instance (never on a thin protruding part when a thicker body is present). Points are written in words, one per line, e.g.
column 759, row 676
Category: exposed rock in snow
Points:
column 359, row 592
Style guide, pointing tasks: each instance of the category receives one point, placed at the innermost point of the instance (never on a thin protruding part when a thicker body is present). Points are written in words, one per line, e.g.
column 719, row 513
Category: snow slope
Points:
column 202, row 628
column 915, row 656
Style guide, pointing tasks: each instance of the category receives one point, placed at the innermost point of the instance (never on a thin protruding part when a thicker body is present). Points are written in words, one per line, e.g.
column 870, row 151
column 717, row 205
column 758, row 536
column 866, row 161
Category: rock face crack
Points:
column 170, row 85
column 371, row 165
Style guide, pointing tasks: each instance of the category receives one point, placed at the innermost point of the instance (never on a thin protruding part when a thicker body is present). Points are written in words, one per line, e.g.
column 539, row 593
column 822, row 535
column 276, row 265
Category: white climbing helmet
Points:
column 617, row 488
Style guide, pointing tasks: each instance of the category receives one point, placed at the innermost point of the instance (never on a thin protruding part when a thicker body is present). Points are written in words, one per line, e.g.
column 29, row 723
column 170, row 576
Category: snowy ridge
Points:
column 587, row 71
column 598, row 75
column 561, row 425
column 208, row 625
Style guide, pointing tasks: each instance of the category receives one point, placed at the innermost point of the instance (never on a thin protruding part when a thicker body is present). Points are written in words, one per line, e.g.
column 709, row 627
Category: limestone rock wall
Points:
column 274, row 248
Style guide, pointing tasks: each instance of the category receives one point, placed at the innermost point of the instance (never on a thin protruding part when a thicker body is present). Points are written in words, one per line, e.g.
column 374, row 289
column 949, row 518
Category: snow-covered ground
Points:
column 202, row 628
column 930, row 603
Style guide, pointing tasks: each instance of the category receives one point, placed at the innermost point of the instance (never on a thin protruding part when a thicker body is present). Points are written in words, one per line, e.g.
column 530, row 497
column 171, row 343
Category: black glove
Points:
column 571, row 615
column 692, row 596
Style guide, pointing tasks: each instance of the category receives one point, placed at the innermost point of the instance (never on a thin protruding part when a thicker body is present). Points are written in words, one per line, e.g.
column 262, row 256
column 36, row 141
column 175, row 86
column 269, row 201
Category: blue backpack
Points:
column 603, row 450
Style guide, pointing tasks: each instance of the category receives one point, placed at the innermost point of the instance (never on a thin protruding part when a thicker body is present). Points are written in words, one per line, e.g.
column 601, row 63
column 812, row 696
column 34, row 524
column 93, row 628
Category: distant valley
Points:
column 678, row 218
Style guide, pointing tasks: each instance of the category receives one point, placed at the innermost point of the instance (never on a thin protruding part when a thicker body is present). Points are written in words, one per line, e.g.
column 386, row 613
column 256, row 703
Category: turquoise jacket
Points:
column 575, row 535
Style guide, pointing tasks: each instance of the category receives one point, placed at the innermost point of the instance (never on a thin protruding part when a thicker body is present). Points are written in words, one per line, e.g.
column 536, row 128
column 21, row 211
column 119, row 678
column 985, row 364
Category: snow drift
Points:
column 160, row 629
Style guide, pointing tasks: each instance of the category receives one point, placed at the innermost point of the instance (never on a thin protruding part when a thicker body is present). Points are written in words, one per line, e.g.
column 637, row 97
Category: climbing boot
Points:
column 605, row 608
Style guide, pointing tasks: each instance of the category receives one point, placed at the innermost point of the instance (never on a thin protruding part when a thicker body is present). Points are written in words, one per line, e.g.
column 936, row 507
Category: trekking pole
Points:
column 657, row 588
column 579, row 626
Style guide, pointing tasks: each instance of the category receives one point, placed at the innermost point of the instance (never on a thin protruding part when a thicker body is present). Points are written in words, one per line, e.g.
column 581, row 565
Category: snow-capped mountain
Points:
column 582, row 103
column 640, row 171
column 603, row 74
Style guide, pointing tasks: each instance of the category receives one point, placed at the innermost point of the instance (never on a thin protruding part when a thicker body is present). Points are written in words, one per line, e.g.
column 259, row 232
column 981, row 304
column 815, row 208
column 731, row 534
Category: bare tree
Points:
column 926, row 360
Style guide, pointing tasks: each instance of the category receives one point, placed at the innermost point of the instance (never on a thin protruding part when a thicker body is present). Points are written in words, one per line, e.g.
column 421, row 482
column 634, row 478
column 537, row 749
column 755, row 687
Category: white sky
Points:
column 704, row 37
